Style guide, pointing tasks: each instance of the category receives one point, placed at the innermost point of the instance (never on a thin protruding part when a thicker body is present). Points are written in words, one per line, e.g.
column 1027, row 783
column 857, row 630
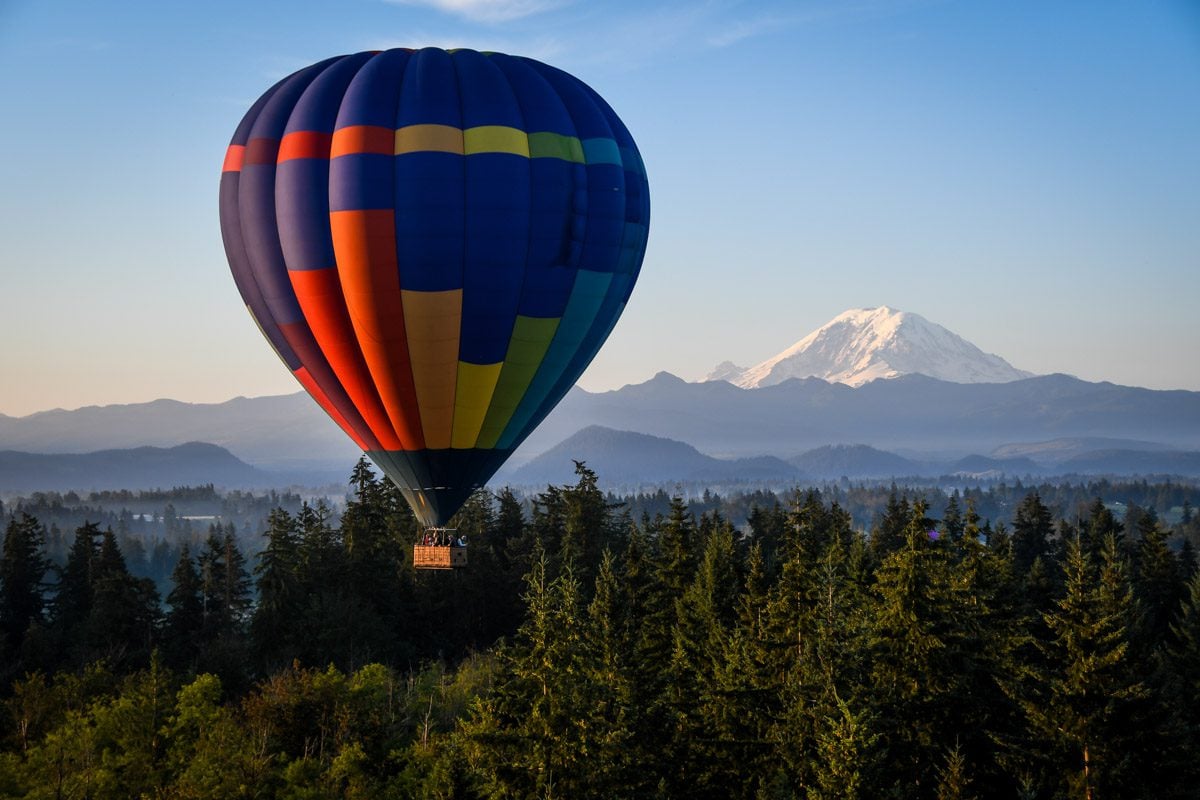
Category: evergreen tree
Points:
column 532, row 737
column 23, row 567
column 889, row 535
column 1032, row 527
column 184, row 623
column 1183, row 658
column 953, row 525
column 933, row 665
column 706, row 754
column 124, row 611
column 587, row 525
column 274, row 626
column 73, row 596
column 1084, row 706
column 1101, row 524
column 1159, row 584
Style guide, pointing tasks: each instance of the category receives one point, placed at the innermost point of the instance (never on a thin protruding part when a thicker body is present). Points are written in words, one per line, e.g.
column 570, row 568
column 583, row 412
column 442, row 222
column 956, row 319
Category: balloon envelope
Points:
column 436, row 243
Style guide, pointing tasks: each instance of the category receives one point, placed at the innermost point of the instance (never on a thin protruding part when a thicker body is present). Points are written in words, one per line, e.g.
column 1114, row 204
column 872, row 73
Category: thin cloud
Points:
column 491, row 11
column 748, row 29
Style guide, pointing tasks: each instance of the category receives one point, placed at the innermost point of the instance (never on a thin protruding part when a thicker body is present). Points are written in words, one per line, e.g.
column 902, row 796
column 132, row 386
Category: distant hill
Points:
column 1133, row 462
column 982, row 465
column 911, row 412
column 1057, row 451
column 623, row 458
column 1057, row 416
column 854, row 461
column 285, row 432
column 190, row 464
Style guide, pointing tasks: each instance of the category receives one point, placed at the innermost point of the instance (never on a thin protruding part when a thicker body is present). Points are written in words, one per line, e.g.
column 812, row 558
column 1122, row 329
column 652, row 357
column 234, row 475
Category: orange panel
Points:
column 303, row 144
column 234, row 157
column 364, row 243
column 320, row 295
column 362, row 139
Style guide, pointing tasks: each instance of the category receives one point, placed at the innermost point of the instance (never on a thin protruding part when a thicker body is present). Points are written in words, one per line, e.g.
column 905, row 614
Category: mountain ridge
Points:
column 188, row 464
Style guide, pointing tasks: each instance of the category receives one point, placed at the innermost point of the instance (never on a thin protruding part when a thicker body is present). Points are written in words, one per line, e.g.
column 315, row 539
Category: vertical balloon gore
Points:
column 436, row 244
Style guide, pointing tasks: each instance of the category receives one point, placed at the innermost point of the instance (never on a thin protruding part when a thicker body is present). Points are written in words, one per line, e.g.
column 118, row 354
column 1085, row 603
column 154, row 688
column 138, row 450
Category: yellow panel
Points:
column 429, row 138
column 433, row 321
column 495, row 139
column 472, row 396
column 531, row 338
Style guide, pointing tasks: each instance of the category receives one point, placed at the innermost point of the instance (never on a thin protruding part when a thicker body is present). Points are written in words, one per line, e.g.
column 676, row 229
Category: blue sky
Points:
column 1025, row 173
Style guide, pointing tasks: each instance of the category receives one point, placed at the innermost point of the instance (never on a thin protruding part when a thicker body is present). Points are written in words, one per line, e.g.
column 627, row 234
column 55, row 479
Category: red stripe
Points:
column 328, row 391
column 304, row 144
column 261, row 151
column 233, row 158
column 322, row 399
column 363, row 139
column 319, row 293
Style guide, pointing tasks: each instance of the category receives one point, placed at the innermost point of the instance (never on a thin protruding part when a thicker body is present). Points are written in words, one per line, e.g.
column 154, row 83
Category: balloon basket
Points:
column 440, row 548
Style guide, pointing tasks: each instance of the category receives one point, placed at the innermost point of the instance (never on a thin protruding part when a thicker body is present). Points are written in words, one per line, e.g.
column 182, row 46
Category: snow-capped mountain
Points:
column 864, row 344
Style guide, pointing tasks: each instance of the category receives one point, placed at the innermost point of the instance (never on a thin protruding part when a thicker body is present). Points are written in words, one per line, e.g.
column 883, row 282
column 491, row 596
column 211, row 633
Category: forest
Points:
column 596, row 648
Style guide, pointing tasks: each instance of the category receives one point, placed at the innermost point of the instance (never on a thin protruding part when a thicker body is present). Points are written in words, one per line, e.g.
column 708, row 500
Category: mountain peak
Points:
column 864, row 344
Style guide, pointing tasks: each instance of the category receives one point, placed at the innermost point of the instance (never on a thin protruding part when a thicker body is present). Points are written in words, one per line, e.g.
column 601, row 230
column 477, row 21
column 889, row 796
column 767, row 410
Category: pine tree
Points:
column 1159, row 584
column 1032, row 527
column 1183, row 658
column 23, row 567
column 184, row 621
column 888, row 536
column 933, row 660
column 73, row 596
column 706, row 754
column 274, row 626
column 124, row 613
column 953, row 525
column 1083, row 708
column 531, row 737
column 587, row 525
column 1101, row 524
column 236, row 587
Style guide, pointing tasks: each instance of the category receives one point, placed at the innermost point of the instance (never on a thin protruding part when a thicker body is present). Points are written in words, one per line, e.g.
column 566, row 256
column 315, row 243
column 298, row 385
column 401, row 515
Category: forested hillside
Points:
column 600, row 650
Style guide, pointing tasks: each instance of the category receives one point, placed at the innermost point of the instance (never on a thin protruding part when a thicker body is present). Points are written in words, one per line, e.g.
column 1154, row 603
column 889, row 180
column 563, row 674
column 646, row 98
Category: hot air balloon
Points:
column 436, row 244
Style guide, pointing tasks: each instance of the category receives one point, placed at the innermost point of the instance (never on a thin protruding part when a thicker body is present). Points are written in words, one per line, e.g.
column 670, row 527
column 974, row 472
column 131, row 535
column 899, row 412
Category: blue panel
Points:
column 360, row 181
column 487, row 97
column 497, row 219
column 239, row 265
column 372, row 97
column 540, row 105
column 302, row 200
column 429, row 196
column 302, row 185
column 430, row 91
column 430, row 220
column 557, row 210
column 256, row 202
column 317, row 108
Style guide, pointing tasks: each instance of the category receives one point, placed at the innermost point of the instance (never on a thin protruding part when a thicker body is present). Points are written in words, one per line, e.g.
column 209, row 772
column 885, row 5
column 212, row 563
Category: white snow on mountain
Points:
column 864, row 344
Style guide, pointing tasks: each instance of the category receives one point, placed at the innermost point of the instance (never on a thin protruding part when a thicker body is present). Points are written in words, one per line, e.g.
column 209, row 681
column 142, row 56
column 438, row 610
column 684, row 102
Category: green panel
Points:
column 554, row 145
column 531, row 339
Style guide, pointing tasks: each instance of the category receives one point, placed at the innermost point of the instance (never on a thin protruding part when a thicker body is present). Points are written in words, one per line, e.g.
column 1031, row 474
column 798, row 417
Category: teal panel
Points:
column 586, row 298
